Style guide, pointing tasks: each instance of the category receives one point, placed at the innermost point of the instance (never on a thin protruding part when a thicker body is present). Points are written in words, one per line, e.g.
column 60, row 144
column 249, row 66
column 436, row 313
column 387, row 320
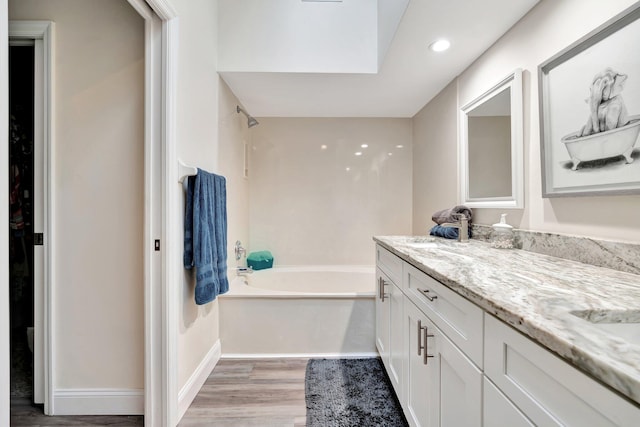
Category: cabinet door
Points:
column 500, row 411
column 460, row 385
column 445, row 387
column 397, row 350
column 422, row 399
column 382, row 320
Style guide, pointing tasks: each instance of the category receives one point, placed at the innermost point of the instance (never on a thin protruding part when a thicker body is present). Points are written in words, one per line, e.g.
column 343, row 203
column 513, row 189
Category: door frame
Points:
column 5, row 357
column 161, row 320
column 42, row 34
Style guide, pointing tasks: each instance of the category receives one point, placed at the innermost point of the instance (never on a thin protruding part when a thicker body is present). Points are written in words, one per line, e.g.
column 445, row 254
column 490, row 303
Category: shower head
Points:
column 251, row 121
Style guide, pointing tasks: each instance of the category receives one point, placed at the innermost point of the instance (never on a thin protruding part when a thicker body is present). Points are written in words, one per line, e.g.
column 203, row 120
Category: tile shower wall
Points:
column 320, row 188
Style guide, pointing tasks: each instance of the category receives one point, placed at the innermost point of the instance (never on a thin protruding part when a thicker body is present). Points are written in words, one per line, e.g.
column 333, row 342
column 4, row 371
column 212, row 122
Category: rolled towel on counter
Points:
column 450, row 215
column 446, row 232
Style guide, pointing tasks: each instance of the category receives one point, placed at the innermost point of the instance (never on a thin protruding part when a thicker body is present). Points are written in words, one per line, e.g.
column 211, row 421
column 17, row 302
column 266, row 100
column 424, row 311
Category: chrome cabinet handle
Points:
column 423, row 334
column 426, row 351
column 381, row 285
column 425, row 292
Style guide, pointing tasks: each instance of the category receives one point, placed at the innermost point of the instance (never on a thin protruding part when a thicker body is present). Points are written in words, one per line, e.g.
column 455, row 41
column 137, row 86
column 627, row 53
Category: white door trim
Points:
column 42, row 32
column 161, row 322
column 5, row 358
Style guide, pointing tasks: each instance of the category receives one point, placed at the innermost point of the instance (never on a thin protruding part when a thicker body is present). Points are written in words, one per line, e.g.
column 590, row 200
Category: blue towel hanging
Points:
column 205, row 234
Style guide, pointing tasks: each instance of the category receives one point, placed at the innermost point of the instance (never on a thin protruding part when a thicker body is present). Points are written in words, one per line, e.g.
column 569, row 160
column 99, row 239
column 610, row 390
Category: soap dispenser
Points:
column 502, row 236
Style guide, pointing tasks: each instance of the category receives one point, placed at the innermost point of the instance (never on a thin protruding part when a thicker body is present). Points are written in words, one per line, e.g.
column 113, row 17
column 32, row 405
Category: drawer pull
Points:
column 425, row 292
column 423, row 334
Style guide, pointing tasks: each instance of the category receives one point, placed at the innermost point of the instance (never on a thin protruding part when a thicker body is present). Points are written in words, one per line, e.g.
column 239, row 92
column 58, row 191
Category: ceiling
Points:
column 409, row 77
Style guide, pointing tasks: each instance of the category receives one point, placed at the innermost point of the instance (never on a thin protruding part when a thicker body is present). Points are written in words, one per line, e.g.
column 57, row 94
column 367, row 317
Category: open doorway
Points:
column 161, row 334
column 21, row 216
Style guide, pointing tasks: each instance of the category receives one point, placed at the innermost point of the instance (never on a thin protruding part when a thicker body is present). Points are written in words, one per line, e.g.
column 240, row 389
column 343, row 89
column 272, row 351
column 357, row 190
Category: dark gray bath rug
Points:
column 350, row 392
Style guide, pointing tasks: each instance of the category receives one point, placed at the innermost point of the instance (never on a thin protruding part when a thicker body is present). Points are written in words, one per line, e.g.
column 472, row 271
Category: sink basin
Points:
column 421, row 242
column 624, row 324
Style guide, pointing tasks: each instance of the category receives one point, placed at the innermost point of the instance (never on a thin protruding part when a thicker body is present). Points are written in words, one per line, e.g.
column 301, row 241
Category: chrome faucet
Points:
column 240, row 251
column 244, row 271
column 462, row 226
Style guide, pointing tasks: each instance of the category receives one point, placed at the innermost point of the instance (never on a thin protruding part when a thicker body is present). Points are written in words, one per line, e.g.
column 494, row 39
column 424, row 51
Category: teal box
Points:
column 260, row 260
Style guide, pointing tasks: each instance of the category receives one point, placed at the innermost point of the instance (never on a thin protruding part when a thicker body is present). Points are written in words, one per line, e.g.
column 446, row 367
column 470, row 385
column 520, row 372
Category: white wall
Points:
column 232, row 135
column 99, row 193
column 307, row 208
column 548, row 28
column 197, row 144
column 209, row 135
column 435, row 158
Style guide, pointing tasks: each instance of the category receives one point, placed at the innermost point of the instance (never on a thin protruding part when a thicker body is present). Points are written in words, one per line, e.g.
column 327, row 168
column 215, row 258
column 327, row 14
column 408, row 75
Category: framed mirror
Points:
column 491, row 147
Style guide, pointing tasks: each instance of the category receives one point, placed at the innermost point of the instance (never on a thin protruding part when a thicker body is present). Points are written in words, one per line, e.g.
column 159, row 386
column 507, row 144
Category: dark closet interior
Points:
column 21, row 134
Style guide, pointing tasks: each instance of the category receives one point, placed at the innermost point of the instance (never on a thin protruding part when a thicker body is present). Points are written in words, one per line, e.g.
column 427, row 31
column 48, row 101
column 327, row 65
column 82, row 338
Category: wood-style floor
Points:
column 251, row 393
column 23, row 413
column 238, row 393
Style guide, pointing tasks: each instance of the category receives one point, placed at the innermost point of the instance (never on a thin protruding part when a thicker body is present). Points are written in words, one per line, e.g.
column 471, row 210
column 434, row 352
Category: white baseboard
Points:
column 197, row 379
column 298, row 355
column 98, row 401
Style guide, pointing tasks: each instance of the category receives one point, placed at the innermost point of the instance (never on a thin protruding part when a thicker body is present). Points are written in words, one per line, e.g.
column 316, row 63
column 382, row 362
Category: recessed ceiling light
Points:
column 399, row 146
column 364, row 145
column 358, row 153
column 440, row 45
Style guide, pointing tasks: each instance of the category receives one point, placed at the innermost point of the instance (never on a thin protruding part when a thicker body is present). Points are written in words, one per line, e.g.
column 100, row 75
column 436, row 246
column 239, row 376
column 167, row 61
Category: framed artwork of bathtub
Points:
column 590, row 112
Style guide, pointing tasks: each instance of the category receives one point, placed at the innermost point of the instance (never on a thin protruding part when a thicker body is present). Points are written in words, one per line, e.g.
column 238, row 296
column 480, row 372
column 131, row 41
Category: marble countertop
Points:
column 537, row 294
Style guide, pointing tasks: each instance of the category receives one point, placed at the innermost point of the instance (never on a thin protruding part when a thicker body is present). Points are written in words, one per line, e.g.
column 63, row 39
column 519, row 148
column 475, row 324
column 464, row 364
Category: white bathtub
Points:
column 300, row 311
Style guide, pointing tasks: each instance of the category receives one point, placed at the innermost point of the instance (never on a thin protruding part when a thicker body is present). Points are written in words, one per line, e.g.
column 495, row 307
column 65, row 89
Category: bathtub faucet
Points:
column 240, row 251
column 244, row 271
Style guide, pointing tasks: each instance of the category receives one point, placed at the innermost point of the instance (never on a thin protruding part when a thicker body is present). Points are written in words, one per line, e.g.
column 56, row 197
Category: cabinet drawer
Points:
column 459, row 319
column 390, row 264
column 548, row 390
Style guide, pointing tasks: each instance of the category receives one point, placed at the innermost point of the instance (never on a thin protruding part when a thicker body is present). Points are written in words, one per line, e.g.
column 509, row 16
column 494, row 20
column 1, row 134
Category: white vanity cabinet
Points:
column 418, row 337
column 453, row 364
column 546, row 389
